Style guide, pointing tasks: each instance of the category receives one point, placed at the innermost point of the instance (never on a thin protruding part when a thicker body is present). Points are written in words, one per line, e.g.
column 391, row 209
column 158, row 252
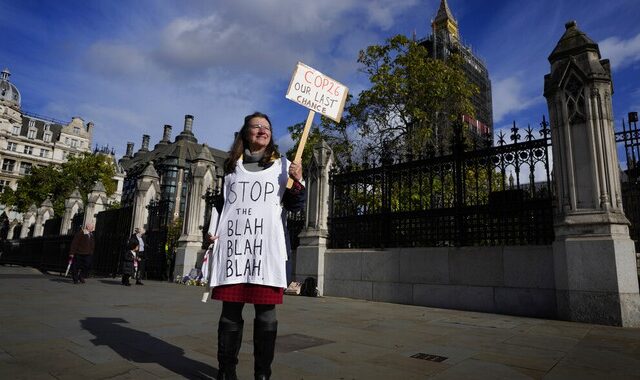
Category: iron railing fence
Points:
column 52, row 226
column 157, row 267
column 112, row 231
column 46, row 253
column 500, row 195
column 630, row 138
column 76, row 223
column 295, row 224
column 212, row 198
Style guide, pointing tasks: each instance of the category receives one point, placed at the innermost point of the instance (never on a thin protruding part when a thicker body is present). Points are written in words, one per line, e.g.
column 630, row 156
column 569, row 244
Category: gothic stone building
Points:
column 444, row 40
column 171, row 163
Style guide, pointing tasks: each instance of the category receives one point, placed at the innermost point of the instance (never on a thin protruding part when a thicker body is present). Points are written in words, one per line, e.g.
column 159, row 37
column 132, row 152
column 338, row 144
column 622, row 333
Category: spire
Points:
column 444, row 21
column 444, row 12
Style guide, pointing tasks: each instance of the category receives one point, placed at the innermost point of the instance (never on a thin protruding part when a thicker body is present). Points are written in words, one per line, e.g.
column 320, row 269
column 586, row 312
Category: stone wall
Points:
column 505, row 280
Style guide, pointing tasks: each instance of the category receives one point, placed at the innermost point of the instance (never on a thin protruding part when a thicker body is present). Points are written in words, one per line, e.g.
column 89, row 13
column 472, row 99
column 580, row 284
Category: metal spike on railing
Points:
column 545, row 131
column 501, row 137
column 515, row 136
column 529, row 131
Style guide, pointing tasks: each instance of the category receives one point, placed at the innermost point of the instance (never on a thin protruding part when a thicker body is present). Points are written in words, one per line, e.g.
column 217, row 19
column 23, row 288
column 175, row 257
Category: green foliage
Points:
column 413, row 98
column 409, row 107
column 57, row 182
column 314, row 137
column 334, row 134
column 428, row 188
column 174, row 230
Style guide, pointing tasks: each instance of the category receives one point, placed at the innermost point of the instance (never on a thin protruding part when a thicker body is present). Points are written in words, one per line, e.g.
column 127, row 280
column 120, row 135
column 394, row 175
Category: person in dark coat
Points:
column 81, row 252
column 129, row 263
column 138, row 237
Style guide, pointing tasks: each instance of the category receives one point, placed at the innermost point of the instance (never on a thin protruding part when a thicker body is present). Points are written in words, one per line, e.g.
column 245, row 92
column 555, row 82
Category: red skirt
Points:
column 248, row 293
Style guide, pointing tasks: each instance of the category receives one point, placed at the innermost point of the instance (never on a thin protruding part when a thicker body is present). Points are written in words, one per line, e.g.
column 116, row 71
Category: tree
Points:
column 334, row 134
column 412, row 100
column 57, row 182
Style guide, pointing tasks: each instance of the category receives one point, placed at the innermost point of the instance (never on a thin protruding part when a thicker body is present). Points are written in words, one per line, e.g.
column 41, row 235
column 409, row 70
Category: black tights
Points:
column 232, row 312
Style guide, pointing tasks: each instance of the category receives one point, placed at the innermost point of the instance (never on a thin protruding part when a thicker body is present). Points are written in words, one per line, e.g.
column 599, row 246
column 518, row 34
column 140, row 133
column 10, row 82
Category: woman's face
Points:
column 259, row 134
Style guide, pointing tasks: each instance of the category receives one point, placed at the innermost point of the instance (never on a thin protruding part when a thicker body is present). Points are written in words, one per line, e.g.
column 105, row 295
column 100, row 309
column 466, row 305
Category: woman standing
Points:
column 249, row 264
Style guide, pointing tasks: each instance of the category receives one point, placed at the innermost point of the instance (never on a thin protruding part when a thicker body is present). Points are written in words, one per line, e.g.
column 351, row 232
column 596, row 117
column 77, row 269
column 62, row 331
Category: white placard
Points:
column 316, row 91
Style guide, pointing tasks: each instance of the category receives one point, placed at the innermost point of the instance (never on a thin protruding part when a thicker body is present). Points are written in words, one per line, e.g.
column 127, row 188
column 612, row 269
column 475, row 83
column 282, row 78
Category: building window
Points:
column 3, row 185
column 44, row 153
column 31, row 134
column 47, row 127
column 16, row 130
column 12, row 146
column 28, row 149
column 74, row 143
column 8, row 165
column 47, row 137
column 76, row 130
column 32, row 123
column 25, row 168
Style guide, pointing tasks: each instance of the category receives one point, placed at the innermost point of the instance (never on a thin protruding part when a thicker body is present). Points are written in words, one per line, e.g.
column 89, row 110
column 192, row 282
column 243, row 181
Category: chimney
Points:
column 188, row 124
column 145, row 143
column 166, row 137
column 129, row 149
column 187, row 133
column 90, row 127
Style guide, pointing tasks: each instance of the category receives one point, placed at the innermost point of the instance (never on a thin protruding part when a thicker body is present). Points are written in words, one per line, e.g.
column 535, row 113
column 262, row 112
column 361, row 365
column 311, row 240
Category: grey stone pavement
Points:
column 52, row 329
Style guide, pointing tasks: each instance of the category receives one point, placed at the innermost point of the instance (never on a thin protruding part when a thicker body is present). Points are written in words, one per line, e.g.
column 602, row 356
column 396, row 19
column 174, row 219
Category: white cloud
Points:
column 383, row 13
column 285, row 142
column 220, row 63
column 117, row 59
column 269, row 37
column 509, row 96
column 621, row 53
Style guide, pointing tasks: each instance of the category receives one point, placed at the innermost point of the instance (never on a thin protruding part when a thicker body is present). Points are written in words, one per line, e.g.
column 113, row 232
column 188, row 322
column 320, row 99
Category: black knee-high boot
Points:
column 229, row 341
column 264, row 343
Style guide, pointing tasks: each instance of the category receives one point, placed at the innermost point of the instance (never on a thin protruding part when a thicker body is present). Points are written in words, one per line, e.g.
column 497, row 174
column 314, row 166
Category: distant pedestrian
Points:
column 139, row 237
column 130, row 262
column 81, row 252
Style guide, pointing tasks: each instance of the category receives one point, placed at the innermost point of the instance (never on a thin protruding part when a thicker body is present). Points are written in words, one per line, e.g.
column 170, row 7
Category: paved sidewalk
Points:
column 52, row 329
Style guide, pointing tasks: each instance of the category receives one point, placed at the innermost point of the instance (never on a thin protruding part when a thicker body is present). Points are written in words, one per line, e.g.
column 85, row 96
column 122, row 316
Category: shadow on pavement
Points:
column 140, row 347
column 111, row 282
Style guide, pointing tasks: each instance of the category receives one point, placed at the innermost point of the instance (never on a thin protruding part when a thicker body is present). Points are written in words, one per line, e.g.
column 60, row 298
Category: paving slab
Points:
column 53, row 329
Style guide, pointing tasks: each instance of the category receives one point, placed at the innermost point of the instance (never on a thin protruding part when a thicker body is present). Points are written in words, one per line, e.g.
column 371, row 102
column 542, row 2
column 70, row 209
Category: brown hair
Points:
column 240, row 143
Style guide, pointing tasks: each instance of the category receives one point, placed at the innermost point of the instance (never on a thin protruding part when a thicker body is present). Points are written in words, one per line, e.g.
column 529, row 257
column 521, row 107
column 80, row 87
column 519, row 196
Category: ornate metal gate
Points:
column 112, row 232
column 156, row 238
column 630, row 137
column 478, row 197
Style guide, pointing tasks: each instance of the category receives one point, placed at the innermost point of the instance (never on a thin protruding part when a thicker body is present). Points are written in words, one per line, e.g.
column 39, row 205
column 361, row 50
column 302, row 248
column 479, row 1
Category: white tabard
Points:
column 251, row 247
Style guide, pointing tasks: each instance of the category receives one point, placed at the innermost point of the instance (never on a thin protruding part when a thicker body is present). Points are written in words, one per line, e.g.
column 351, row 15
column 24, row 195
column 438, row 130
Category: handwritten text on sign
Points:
column 318, row 92
column 245, row 227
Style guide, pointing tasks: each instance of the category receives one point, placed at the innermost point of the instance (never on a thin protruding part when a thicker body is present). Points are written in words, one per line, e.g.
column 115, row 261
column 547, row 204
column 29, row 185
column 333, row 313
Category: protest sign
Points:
column 319, row 93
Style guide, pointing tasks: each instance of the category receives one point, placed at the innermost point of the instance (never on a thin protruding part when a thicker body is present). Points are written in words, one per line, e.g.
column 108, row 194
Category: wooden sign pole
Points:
column 303, row 142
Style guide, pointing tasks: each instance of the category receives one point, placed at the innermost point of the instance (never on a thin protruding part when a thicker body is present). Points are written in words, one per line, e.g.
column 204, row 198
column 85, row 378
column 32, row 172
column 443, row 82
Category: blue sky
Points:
column 133, row 66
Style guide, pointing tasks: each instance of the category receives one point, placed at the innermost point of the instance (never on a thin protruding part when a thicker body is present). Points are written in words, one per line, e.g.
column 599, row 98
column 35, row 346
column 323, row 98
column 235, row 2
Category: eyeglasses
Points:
column 260, row 126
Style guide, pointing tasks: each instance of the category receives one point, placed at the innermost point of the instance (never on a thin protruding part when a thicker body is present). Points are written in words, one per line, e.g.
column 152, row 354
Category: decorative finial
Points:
column 571, row 24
